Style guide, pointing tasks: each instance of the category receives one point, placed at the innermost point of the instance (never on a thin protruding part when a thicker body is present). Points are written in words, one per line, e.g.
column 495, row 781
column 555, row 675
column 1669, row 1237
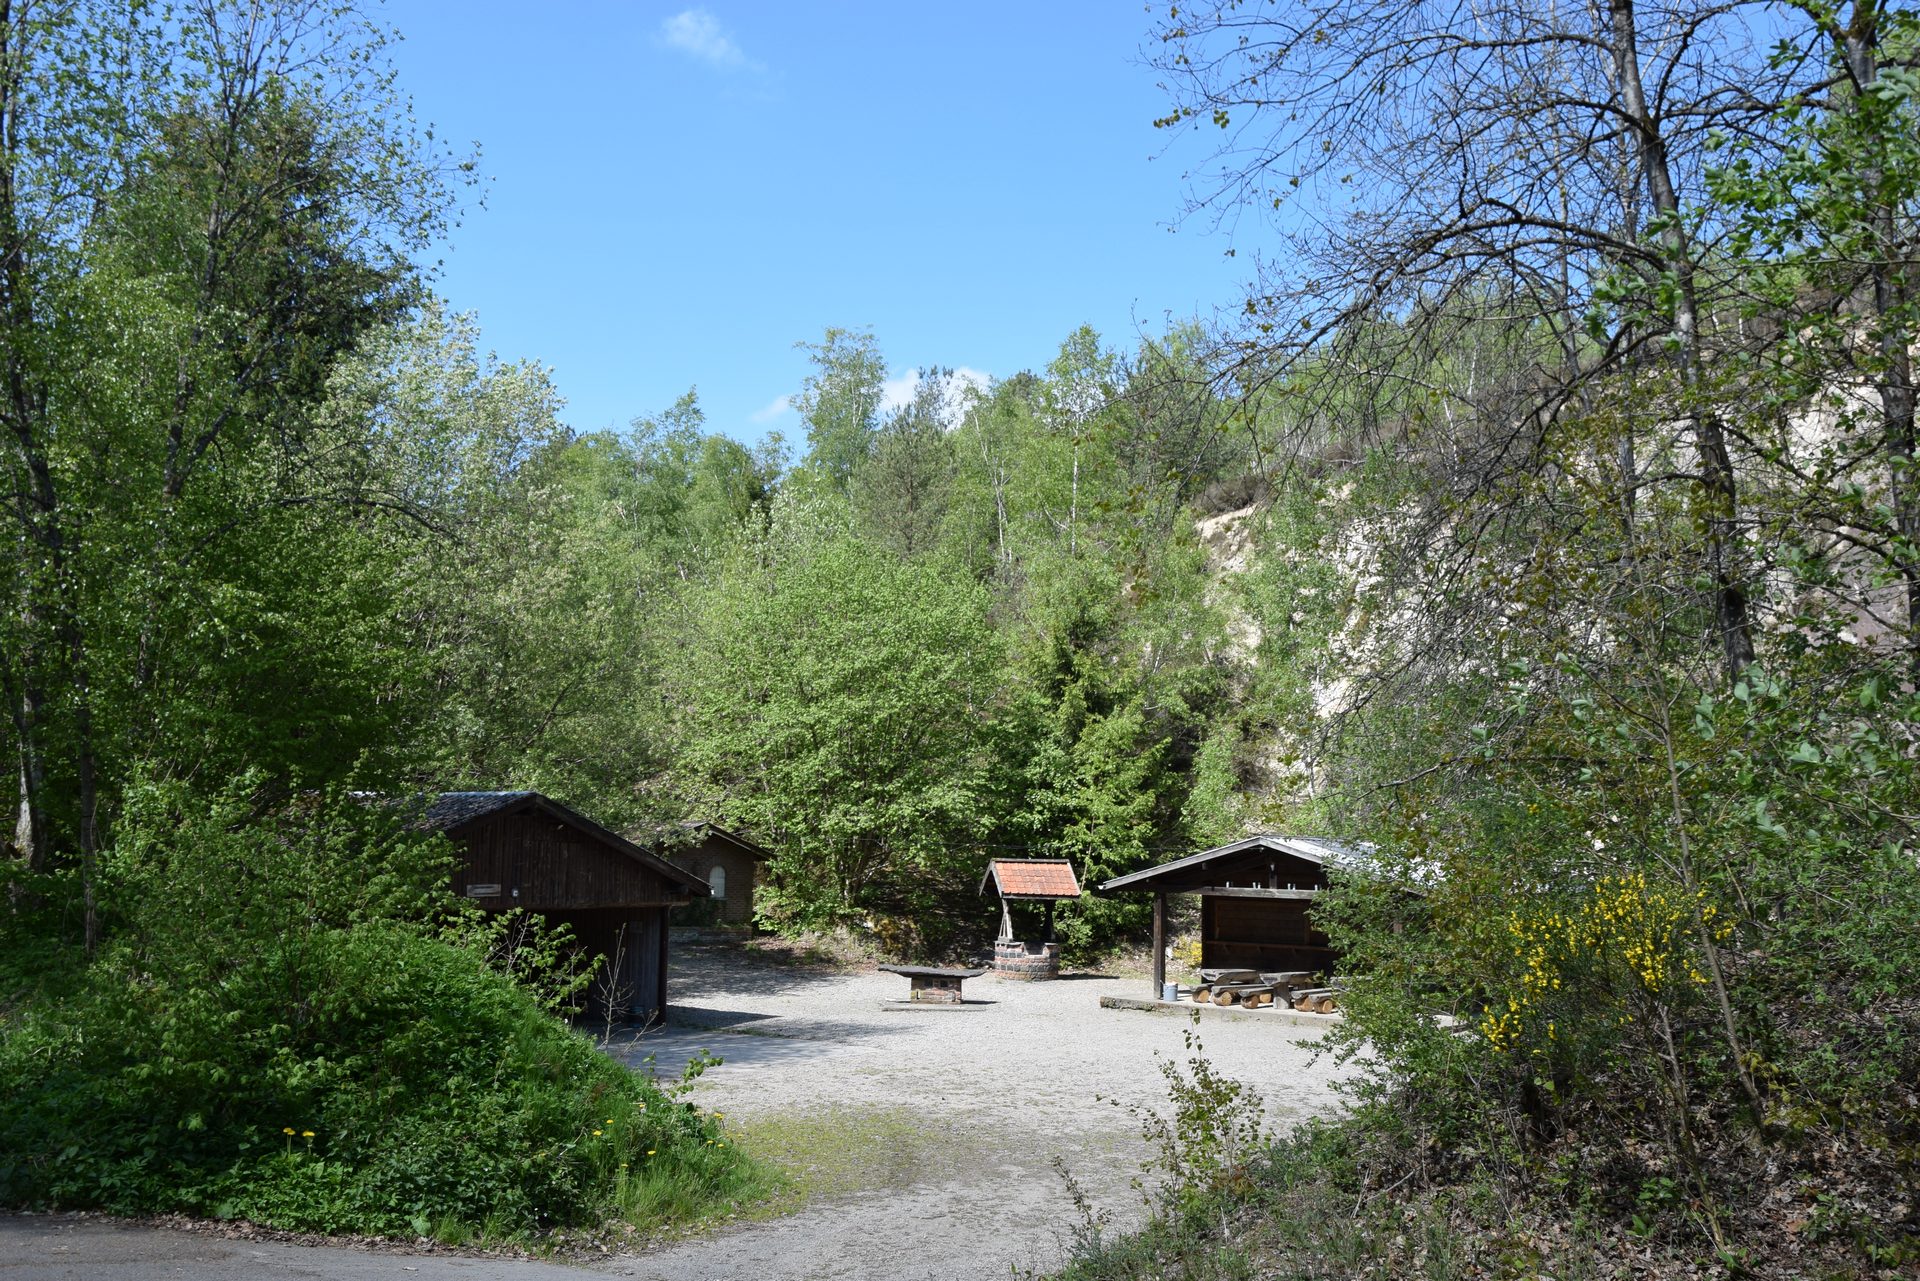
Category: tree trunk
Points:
column 1716, row 466
column 33, row 505
column 26, row 704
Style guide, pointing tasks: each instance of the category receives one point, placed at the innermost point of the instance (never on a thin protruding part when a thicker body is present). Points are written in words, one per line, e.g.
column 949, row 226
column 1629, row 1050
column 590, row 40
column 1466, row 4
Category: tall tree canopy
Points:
column 200, row 214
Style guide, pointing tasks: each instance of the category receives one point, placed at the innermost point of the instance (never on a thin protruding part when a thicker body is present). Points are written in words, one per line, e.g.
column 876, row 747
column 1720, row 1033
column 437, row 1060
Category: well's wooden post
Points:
column 1159, row 944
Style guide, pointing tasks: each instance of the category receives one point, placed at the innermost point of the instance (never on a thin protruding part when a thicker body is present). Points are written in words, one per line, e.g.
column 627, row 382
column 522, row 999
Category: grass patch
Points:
column 824, row 1156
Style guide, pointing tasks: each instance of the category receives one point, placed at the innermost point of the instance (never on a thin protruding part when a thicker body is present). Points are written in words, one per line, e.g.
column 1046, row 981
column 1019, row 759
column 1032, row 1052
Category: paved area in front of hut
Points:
column 925, row 1141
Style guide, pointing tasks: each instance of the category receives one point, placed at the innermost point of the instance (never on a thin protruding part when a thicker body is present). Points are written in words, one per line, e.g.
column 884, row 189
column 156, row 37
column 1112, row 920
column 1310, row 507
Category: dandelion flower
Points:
column 306, row 1134
column 596, row 1134
column 649, row 1151
column 286, row 1129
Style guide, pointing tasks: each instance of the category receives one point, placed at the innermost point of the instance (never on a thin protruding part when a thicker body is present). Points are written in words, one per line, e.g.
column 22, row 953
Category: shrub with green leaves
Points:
column 281, row 1030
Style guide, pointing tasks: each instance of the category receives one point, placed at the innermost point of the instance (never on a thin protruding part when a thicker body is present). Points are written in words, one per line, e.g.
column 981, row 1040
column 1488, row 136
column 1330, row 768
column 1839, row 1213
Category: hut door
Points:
column 640, row 956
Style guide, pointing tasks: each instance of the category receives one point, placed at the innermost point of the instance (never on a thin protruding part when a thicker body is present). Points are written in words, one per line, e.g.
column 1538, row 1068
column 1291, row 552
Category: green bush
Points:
column 284, row 1033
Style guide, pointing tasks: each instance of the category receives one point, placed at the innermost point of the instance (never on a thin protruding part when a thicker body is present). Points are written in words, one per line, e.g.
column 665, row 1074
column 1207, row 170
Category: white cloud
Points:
column 973, row 378
column 897, row 391
column 698, row 33
column 771, row 410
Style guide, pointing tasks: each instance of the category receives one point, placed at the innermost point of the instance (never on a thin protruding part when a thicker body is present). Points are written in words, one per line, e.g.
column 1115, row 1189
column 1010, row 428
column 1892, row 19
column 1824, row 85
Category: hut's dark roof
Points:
column 700, row 830
column 1316, row 850
column 452, row 810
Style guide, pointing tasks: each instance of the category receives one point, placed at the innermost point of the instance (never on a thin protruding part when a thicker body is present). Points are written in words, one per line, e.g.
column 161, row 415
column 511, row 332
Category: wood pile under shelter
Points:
column 1300, row 990
column 1029, row 880
column 1255, row 896
column 525, row 850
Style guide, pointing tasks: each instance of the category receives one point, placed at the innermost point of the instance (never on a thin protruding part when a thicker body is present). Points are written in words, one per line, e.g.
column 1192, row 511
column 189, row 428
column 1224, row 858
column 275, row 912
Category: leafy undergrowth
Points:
column 279, row 1031
column 1352, row 1200
column 1304, row 1213
column 425, row 1095
column 836, row 951
column 1316, row 1205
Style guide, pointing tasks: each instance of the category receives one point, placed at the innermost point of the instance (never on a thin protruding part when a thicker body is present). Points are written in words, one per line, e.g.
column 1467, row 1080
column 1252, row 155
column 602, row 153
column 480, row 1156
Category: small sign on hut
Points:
column 1029, row 880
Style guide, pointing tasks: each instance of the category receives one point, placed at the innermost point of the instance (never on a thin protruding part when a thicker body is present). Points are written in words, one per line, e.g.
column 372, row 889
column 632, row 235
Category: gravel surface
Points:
column 961, row 1112
column 925, row 1141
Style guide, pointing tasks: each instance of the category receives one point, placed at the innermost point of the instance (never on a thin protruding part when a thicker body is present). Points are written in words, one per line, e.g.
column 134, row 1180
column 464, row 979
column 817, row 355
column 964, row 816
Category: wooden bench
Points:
column 930, row 985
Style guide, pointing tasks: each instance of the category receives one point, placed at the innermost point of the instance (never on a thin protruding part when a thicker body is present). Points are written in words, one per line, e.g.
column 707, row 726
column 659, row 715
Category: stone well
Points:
column 1029, row 961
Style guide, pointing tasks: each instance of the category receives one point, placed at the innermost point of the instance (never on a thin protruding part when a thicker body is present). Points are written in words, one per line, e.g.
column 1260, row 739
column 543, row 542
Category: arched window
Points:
column 717, row 882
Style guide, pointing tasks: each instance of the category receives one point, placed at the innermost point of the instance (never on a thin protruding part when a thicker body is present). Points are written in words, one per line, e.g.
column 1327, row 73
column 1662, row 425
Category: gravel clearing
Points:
column 933, row 1134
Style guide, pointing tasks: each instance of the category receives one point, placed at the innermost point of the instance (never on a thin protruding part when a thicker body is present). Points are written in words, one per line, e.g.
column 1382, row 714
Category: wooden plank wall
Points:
column 701, row 859
column 634, row 939
column 1260, row 934
column 554, row 866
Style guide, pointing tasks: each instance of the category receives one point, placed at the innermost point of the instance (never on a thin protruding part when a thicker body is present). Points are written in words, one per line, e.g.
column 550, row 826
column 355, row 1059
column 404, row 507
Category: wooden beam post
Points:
column 660, row 997
column 1159, row 943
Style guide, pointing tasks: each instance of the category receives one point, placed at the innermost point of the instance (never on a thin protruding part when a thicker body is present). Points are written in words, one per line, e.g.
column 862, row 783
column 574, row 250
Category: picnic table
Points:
column 931, row 985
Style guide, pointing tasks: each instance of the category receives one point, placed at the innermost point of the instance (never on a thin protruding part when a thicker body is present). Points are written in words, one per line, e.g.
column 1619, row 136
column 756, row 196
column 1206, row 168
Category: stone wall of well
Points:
column 1031, row 961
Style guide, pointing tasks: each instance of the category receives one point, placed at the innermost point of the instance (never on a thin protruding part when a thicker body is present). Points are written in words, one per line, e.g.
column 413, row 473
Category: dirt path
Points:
column 922, row 1144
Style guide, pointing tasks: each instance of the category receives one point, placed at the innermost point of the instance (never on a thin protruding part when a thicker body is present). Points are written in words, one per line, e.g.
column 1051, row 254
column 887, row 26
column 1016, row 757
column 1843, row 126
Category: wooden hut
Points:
column 525, row 850
column 728, row 863
column 1255, row 895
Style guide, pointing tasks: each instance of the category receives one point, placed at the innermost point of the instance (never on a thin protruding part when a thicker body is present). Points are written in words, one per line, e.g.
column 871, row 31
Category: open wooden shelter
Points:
column 1255, row 895
column 525, row 850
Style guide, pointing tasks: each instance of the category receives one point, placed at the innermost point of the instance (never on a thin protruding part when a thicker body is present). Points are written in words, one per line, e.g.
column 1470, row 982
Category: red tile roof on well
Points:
column 1024, row 878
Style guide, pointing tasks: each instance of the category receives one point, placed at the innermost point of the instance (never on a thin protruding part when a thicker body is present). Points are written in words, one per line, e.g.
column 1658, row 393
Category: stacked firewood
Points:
column 1254, row 989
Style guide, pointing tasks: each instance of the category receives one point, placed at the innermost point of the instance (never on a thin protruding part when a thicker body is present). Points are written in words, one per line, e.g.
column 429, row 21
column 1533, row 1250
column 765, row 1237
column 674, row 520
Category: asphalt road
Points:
column 56, row 1247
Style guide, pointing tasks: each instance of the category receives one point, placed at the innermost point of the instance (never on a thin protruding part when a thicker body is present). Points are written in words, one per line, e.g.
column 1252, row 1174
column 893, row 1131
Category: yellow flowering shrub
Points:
column 1626, row 930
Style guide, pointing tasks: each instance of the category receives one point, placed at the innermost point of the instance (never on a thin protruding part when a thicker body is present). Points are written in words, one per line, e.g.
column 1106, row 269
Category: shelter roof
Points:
column 1209, row 866
column 1031, row 878
column 451, row 811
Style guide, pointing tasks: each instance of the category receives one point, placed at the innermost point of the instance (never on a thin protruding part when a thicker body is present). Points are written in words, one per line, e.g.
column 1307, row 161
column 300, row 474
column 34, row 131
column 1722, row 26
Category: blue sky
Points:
column 679, row 194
